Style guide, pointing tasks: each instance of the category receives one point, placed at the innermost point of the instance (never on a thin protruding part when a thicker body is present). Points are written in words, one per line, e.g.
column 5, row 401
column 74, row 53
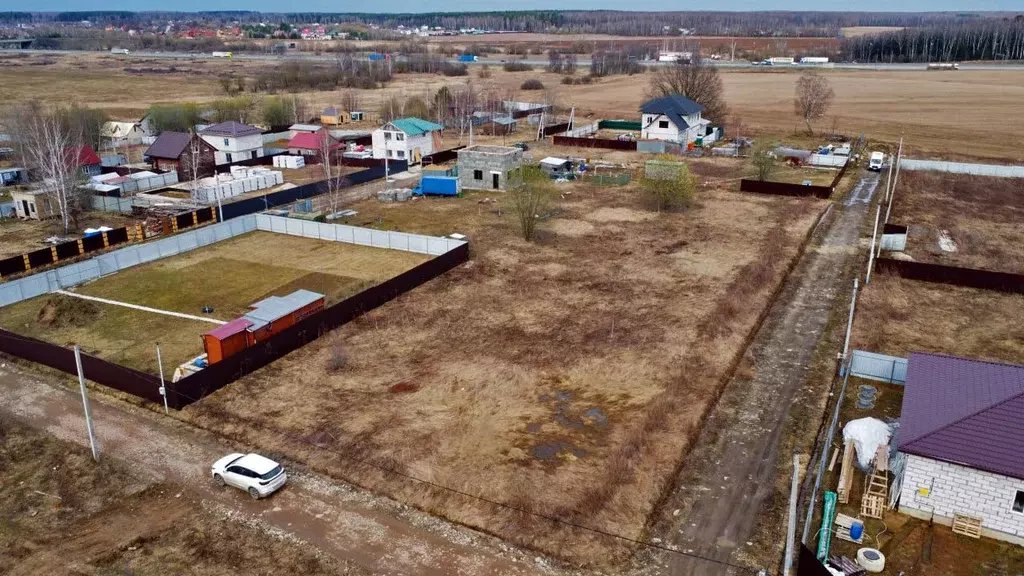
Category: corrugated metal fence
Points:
column 891, row 369
column 964, row 168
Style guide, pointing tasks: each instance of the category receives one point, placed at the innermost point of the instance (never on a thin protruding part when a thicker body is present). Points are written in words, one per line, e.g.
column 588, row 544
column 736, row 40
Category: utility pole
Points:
column 895, row 179
column 791, row 532
column 871, row 255
column 163, row 386
column 85, row 404
column 849, row 322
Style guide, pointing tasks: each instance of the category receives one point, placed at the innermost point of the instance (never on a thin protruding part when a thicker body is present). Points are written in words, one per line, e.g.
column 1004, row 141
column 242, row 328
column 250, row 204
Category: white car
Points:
column 876, row 162
column 258, row 476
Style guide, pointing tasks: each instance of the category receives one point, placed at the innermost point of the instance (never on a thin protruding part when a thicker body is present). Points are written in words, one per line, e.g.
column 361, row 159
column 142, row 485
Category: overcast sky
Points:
column 481, row 5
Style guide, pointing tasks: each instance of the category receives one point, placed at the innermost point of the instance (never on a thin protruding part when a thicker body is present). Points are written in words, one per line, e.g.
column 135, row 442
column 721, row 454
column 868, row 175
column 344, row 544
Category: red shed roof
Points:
column 310, row 141
column 83, row 155
column 230, row 329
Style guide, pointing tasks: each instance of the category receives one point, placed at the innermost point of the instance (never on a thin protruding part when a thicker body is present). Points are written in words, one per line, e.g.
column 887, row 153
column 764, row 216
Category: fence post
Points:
column 791, row 531
column 849, row 322
column 160, row 366
column 871, row 254
column 85, row 404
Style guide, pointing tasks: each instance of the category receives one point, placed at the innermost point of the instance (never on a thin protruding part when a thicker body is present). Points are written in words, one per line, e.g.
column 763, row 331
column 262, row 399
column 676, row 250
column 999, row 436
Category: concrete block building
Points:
column 962, row 428
column 490, row 167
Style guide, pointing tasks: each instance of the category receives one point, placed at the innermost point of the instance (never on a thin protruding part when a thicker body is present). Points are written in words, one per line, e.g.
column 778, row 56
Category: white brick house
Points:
column 408, row 139
column 962, row 429
column 233, row 141
column 674, row 118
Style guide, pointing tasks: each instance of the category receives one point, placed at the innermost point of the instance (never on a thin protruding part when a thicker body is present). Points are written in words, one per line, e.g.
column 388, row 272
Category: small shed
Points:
column 13, row 176
column 226, row 340
column 276, row 313
column 499, row 126
column 33, row 205
column 556, row 166
column 333, row 116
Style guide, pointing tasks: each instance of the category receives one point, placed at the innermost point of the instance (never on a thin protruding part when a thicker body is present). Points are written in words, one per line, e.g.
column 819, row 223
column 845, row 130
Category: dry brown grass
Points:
column 982, row 214
column 897, row 316
column 563, row 377
column 20, row 236
column 228, row 276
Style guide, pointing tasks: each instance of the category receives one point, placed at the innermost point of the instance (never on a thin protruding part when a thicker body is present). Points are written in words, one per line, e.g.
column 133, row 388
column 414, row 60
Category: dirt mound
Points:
column 61, row 311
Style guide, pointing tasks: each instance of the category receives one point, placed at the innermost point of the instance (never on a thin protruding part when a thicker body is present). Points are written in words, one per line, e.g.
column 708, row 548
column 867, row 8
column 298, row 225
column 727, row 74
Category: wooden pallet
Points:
column 872, row 506
column 843, row 523
column 967, row 525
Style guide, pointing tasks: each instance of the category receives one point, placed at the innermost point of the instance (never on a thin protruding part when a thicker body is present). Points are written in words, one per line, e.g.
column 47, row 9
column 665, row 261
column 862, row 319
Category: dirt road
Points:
column 732, row 468
column 378, row 534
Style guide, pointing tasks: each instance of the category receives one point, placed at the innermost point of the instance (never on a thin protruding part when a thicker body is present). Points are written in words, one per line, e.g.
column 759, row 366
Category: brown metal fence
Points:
column 96, row 369
column 809, row 565
column 784, row 189
column 608, row 143
column 215, row 377
column 66, row 251
column 953, row 275
column 555, row 129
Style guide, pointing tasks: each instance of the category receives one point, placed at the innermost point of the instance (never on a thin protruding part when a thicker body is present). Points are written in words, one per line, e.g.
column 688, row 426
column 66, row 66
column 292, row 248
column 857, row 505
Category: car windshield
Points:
column 271, row 474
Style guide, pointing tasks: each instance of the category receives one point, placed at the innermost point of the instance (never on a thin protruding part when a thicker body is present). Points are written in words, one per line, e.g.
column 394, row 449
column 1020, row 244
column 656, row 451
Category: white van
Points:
column 876, row 161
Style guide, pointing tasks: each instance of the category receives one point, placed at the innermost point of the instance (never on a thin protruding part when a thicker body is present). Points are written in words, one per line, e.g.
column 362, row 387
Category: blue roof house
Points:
column 408, row 139
column 673, row 118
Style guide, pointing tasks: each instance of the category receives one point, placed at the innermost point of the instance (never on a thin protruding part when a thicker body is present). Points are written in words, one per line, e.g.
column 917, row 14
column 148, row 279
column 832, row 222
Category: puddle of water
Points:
column 550, row 451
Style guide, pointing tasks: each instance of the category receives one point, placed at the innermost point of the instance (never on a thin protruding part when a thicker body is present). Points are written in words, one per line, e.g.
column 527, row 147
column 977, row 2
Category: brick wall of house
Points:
column 953, row 489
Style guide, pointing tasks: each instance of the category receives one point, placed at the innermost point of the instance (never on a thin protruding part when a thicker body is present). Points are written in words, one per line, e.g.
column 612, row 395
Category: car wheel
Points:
column 254, row 493
column 218, row 479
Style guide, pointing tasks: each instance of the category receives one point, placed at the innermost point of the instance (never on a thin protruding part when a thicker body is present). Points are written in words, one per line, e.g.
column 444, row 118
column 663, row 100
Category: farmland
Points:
column 227, row 276
column 551, row 375
column 981, row 216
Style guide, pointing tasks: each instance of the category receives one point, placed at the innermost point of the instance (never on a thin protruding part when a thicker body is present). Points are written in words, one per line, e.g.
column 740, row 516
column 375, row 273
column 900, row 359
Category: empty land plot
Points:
column 896, row 316
column 982, row 215
column 20, row 236
column 227, row 276
column 566, row 377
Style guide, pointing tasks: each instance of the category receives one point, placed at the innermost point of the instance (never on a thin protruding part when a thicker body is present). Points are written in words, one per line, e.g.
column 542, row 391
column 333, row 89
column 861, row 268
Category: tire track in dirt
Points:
column 731, row 471
column 380, row 535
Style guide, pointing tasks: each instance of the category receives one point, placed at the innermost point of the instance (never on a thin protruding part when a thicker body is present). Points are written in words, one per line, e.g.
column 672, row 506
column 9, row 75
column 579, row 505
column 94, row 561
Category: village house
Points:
column 33, row 205
column 962, row 428
column 176, row 150
column 233, row 141
column 408, row 139
column 312, row 143
column 673, row 118
column 118, row 134
column 86, row 160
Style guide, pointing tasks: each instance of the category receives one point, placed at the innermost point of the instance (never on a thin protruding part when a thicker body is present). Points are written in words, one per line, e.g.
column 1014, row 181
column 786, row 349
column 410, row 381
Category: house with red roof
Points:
column 962, row 430
column 311, row 143
column 85, row 159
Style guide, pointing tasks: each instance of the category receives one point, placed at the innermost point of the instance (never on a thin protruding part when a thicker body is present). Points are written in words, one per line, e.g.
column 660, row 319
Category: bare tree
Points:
column 695, row 80
column 763, row 159
column 350, row 101
column 530, row 199
column 814, row 95
column 51, row 149
column 333, row 173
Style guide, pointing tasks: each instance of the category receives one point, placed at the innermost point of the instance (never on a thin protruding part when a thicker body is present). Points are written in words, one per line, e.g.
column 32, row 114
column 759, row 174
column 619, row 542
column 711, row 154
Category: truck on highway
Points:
column 223, row 54
column 119, row 51
column 776, row 61
column 467, row 58
column 814, row 60
column 943, row 65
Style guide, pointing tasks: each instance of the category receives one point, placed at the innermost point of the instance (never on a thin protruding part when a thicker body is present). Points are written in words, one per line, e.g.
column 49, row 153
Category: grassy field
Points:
column 982, row 215
column 566, row 376
column 923, row 106
column 61, row 513
column 897, row 316
column 227, row 276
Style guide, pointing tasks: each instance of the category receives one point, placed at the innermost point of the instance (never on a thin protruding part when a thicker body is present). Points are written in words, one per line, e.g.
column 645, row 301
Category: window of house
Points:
column 46, row 204
column 478, row 174
column 389, row 153
column 399, row 136
column 401, row 153
column 387, row 135
column 1018, row 502
column 226, row 142
column 228, row 156
column 663, row 124
column 32, row 207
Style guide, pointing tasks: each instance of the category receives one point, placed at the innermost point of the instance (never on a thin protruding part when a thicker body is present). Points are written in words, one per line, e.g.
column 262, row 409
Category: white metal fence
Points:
column 892, row 369
column 582, row 131
column 894, row 242
column 109, row 204
column 120, row 259
column 828, row 160
column 964, row 168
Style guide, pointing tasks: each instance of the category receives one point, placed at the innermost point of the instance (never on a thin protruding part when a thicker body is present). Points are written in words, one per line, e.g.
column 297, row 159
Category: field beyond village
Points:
column 565, row 377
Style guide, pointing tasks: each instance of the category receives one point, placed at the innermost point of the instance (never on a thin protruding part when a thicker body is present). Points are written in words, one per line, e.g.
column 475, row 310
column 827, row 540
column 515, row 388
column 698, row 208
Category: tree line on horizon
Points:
column 988, row 39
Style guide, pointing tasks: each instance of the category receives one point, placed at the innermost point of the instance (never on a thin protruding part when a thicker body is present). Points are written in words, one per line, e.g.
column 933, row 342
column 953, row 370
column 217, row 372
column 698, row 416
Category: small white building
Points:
column 34, row 204
column 408, row 139
column 233, row 141
column 962, row 429
column 117, row 134
column 673, row 118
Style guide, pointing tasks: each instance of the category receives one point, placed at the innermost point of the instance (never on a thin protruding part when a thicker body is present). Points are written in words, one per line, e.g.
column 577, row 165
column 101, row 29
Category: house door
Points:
column 495, row 180
column 24, row 207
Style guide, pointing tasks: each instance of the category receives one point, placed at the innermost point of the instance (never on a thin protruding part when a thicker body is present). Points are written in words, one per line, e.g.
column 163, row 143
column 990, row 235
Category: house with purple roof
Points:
column 962, row 429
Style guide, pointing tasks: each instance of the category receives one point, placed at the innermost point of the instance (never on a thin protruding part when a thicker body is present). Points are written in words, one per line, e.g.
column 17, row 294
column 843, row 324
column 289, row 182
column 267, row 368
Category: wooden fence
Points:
column 68, row 250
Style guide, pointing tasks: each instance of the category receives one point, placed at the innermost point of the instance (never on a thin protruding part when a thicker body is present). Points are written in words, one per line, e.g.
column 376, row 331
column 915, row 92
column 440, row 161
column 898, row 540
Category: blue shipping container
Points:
column 375, row 56
column 439, row 186
column 467, row 58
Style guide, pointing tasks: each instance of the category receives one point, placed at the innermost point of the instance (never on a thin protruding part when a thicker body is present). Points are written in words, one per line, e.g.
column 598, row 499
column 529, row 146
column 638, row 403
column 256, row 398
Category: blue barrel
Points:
column 856, row 530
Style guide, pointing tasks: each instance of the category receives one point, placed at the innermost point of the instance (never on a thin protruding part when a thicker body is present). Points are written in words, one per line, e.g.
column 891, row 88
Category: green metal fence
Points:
column 613, row 178
column 619, row 125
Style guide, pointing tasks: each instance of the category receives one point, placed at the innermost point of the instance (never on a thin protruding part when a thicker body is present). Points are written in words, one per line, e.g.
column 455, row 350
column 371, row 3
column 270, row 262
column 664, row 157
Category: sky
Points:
column 482, row 5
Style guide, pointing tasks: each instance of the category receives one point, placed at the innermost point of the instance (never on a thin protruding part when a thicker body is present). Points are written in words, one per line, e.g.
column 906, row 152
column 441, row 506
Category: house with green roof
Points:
column 408, row 139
